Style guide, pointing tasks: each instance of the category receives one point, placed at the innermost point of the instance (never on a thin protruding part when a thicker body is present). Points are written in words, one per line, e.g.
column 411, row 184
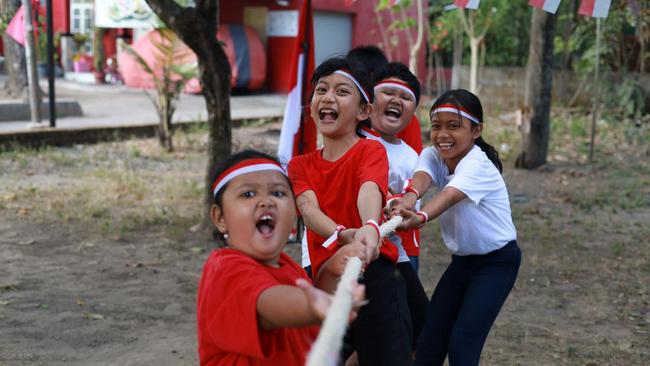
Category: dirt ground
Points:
column 100, row 256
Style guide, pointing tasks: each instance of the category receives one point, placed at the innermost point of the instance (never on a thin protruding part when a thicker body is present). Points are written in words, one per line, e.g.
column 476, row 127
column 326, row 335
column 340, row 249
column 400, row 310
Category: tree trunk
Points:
column 15, row 63
column 535, row 113
column 197, row 27
column 473, row 74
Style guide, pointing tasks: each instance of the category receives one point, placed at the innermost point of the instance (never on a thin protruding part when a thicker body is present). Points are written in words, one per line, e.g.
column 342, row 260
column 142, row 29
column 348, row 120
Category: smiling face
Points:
column 336, row 106
column 257, row 212
column 453, row 136
column 392, row 111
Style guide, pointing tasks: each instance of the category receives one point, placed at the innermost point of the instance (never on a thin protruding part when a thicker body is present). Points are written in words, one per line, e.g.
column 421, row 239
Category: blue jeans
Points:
column 465, row 304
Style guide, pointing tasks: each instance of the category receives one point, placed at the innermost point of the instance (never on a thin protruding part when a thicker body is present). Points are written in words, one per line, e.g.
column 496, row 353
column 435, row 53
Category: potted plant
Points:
column 98, row 55
column 81, row 62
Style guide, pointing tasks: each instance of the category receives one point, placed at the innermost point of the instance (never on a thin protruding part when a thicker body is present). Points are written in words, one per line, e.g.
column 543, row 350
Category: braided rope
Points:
column 327, row 348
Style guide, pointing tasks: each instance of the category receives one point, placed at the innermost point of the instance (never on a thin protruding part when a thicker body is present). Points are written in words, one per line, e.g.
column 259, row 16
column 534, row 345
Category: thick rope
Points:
column 327, row 348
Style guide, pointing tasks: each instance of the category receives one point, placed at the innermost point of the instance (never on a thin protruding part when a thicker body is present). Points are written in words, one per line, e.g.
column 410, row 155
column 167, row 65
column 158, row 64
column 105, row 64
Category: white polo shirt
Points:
column 482, row 222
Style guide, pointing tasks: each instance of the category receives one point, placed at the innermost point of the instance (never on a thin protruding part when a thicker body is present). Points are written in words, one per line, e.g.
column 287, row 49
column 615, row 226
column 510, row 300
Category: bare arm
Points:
column 442, row 201
column 313, row 217
column 330, row 272
column 369, row 204
column 421, row 181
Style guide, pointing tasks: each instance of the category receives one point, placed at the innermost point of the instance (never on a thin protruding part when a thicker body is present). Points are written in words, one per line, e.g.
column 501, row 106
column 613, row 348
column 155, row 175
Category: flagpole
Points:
column 595, row 95
column 50, row 65
column 32, row 77
column 305, row 72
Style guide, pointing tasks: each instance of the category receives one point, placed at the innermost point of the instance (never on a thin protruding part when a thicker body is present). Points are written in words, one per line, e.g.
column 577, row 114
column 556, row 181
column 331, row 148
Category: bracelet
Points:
column 334, row 237
column 424, row 216
column 374, row 224
column 409, row 188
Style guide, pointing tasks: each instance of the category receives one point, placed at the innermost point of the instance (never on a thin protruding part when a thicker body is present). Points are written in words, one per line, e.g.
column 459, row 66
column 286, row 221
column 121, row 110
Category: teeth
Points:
column 266, row 217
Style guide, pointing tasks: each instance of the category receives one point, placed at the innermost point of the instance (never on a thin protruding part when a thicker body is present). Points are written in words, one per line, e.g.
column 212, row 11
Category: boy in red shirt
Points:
column 340, row 191
column 256, row 306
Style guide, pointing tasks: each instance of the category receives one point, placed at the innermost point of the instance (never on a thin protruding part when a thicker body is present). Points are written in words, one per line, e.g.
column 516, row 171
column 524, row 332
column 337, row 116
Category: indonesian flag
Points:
column 298, row 134
column 16, row 27
column 467, row 4
column 549, row 6
column 594, row 8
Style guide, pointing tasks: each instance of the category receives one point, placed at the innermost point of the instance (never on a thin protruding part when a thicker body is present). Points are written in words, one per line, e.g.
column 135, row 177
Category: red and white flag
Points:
column 16, row 27
column 549, row 6
column 594, row 8
column 467, row 4
column 298, row 134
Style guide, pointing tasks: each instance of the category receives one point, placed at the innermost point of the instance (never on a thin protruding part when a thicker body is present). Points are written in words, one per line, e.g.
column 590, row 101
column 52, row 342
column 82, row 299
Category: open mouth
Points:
column 393, row 113
column 266, row 224
column 443, row 146
column 328, row 114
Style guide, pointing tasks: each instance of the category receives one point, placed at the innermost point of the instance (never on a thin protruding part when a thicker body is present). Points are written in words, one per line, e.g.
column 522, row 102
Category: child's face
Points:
column 453, row 135
column 335, row 106
column 258, row 211
column 392, row 109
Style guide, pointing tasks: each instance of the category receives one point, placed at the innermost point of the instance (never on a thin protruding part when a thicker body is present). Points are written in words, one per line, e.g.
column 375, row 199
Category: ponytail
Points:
column 491, row 152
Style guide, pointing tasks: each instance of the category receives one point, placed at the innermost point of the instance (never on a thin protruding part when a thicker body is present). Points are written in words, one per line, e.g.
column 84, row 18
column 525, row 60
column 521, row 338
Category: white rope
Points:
column 327, row 348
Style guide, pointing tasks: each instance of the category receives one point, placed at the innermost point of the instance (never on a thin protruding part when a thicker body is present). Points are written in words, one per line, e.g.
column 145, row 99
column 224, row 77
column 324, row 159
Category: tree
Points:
column 536, row 110
column 169, row 82
column 476, row 34
column 196, row 25
column 15, row 63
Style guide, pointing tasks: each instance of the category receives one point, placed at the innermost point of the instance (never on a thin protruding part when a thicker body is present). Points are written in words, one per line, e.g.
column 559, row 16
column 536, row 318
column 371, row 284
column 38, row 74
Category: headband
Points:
column 454, row 109
column 243, row 167
column 396, row 84
column 354, row 80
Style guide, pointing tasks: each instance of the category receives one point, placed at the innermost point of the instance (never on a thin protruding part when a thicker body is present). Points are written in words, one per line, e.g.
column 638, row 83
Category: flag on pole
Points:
column 594, row 8
column 549, row 6
column 298, row 134
column 467, row 4
column 16, row 27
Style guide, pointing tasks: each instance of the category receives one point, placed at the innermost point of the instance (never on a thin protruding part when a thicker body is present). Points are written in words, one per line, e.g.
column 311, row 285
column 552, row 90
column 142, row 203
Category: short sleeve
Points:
column 476, row 178
column 232, row 307
column 373, row 166
column 298, row 176
column 430, row 163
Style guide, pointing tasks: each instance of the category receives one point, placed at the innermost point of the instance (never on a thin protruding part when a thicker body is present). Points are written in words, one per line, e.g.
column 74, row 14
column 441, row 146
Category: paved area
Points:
column 110, row 106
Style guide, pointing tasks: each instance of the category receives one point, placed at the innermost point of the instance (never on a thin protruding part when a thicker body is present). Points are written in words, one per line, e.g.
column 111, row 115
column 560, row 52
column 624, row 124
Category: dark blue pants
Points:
column 465, row 304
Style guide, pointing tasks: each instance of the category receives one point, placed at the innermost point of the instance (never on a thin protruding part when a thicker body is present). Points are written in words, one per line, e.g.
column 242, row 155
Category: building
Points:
column 339, row 25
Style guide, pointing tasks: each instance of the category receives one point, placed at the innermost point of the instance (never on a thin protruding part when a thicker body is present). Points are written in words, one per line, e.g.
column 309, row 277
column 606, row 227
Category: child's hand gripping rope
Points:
column 326, row 349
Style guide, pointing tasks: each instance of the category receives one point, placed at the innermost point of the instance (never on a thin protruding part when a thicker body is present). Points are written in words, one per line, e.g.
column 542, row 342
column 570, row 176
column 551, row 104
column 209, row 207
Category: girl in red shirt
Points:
column 255, row 305
column 340, row 191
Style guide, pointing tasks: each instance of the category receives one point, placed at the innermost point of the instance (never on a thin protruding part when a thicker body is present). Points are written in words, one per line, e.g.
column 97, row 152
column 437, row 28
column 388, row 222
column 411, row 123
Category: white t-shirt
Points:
column 401, row 163
column 482, row 222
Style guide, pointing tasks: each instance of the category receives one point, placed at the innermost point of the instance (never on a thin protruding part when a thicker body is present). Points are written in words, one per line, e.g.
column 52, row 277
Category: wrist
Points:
column 334, row 237
column 424, row 216
column 375, row 226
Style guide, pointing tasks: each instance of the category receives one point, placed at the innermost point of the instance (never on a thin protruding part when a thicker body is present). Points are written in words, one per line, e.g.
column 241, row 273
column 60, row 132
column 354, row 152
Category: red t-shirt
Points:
column 412, row 135
column 228, row 331
column 336, row 185
column 410, row 241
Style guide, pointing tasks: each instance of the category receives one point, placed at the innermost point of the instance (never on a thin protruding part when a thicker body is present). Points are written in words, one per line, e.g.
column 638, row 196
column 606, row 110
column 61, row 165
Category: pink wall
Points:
column 366, row 29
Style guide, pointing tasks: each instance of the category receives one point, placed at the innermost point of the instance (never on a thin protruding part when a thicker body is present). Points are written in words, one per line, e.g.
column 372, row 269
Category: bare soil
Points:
column 100, row 256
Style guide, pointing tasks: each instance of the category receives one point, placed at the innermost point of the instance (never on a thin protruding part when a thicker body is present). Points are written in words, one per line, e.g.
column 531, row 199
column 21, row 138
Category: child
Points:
column 372, row 58
column 397, row 94
column 340, row 192
column 249, row 310
column 476, row 225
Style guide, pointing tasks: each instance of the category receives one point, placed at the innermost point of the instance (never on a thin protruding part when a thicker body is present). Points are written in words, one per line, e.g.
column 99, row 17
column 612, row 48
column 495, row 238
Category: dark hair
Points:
column 330, row 65
column 228, row 163
column 369, row 57
column 400, row 71
column 470, row 102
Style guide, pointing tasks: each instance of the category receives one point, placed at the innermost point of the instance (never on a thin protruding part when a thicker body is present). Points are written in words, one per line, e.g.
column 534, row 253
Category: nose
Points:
column 328, row 97
column 266, row 201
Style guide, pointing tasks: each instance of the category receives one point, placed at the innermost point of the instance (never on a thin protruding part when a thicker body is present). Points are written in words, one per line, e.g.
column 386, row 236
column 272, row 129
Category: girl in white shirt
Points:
column 476, row 223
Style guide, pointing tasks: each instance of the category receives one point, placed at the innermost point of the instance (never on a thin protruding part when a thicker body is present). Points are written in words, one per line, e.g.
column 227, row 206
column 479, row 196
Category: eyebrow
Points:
column 350, row 84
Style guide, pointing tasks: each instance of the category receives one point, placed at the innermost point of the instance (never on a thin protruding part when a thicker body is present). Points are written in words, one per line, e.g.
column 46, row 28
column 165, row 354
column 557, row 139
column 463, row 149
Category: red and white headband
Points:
column 395, row 84
column 454, row 109
column 243, row 167
column 354, row 80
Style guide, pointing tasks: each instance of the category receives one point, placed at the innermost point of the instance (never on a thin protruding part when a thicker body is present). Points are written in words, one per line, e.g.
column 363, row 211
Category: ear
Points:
column 218, row 219
column 476, row 130
column 364, row 112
